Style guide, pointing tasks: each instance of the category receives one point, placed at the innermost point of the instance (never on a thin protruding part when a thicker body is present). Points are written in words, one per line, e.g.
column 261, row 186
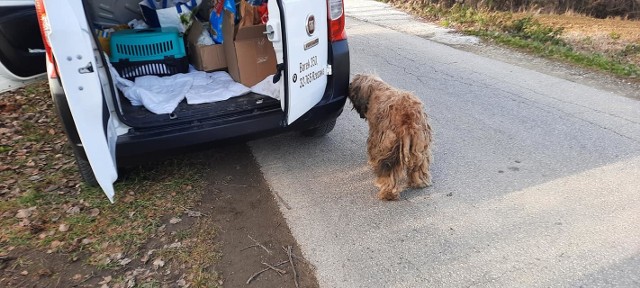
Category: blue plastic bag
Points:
column 256, row 2
column 217, row 17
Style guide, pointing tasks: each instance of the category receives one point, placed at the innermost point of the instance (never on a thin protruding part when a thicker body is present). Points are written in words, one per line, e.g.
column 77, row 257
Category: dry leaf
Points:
column 94, row 212
column 105, row 280
column 73, row 210
column 124, row 261
column 24, row 273
column 44, row 273
column 194, row 213
column 174, row 245
column 25, row 213
column 55, row 244
column 145, row 258
column 63, row 227
column 158, row 263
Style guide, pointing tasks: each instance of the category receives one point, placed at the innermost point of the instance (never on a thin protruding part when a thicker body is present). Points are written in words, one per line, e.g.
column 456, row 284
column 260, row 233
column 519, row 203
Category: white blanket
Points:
column 213, row 87
column 161, row 95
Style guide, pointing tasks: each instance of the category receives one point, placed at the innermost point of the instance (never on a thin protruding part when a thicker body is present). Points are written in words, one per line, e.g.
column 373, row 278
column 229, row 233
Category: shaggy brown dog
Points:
column 399, row 134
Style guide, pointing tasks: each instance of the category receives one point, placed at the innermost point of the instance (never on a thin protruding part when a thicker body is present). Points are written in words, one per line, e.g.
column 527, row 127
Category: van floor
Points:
column 140, row 117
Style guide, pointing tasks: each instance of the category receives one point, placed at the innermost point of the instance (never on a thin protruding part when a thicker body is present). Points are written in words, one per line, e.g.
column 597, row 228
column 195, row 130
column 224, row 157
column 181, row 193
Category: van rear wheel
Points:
column 321, row 130
column 85, row 169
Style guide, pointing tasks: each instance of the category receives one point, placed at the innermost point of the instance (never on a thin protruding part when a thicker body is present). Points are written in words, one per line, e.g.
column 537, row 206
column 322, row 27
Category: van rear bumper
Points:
column 133, row 148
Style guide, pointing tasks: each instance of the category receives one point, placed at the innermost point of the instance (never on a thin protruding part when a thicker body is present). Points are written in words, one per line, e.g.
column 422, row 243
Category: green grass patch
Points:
column 5, row 148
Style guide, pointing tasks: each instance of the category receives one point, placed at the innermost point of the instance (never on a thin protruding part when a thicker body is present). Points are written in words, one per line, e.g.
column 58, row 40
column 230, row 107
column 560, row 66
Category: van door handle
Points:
column 272, row 33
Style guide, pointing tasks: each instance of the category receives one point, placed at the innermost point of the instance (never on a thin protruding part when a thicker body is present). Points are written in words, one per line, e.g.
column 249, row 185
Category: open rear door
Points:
column 298, row 31
column 66, row 29
column 21, row 48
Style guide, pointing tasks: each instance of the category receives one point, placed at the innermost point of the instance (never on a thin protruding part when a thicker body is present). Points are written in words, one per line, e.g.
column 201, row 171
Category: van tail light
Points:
column 44, row 28
column 336, row 20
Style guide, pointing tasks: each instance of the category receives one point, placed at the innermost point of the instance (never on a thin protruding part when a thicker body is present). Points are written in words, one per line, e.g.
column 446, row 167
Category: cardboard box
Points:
column 250, row 55
column 204, row 58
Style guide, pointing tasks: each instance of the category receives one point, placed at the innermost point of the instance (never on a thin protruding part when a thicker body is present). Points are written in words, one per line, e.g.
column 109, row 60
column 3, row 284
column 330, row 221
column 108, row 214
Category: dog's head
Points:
column 360, row 90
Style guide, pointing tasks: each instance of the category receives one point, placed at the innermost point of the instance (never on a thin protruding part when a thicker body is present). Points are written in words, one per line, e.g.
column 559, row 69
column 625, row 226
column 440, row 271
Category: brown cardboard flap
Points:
column 251, row 32
column 250, row 55
column 195, row 31
column 228, row 34
column 204, row 57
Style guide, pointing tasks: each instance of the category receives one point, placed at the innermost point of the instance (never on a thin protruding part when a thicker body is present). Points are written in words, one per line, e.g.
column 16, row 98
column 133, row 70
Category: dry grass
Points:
column 629, row 9
column 613, row 36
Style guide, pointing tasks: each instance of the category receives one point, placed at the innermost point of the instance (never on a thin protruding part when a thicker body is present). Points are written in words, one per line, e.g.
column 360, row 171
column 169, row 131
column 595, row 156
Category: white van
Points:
column 107, row 132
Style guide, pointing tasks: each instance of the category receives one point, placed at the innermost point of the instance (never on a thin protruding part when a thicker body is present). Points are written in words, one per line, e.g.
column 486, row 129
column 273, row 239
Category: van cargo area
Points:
column 117, row 13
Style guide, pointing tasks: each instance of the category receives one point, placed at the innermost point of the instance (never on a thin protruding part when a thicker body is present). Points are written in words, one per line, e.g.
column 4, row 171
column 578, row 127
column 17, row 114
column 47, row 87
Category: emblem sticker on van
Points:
column 311, row 25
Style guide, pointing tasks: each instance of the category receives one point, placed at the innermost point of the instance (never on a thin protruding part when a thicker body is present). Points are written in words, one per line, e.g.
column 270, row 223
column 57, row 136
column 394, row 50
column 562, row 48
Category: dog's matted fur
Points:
column 399, row 134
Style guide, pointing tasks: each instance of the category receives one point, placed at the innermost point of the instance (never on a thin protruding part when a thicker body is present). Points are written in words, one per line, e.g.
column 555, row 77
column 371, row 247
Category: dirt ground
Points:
column 236, row 204
column 247, row 216
column 202, row 219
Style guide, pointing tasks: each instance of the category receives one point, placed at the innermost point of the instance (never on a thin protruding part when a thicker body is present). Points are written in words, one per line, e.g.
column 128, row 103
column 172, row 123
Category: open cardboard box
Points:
column 204, row 57
column 250, row 55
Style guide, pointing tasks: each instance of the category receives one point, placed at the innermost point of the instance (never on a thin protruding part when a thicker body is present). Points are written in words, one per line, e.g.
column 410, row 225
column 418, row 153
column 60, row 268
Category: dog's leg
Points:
column 390, row 184
column 386, row 181
column 418, row 168
column 419, row 175
column 386, row 188
column 378, row 182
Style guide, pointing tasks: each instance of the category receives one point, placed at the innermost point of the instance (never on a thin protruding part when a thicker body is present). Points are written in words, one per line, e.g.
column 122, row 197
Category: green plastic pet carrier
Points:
column 154, row 51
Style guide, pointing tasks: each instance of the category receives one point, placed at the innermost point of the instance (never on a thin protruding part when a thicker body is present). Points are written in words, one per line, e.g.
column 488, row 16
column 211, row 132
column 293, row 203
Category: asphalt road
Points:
column 536, row 178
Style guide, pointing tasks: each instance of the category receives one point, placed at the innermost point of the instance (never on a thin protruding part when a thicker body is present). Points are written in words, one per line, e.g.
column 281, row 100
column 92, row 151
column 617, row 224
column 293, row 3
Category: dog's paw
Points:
column 420, row 185
column 387, row 195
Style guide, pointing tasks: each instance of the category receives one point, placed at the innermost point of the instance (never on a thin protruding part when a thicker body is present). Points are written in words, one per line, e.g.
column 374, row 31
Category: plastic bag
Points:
column 217, row 17
column 164, row 13
column 256, row 2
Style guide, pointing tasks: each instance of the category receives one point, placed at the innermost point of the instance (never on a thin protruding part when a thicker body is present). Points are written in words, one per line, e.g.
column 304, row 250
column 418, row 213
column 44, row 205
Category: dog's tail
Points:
column 399, row 154
column 391, row 160
column 406, row 148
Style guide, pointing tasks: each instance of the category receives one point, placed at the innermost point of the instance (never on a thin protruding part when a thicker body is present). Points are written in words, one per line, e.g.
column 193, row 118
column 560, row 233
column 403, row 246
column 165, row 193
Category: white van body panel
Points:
column 304, row 45
column 72, row 46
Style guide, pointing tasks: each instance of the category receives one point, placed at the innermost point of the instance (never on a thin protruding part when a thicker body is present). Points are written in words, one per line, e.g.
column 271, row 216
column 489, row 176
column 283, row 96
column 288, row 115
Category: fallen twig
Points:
column 265, row 269
column 245, row 248
column 258, row 243
column 188, row 210
column 280, row 271
column 295, row 256
column 88, row 277
column 295, row 275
